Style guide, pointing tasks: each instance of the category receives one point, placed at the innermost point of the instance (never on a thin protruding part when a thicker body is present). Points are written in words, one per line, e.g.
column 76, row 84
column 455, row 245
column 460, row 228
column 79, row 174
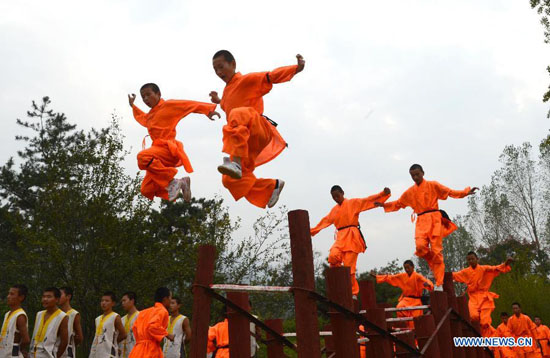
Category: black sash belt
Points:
column 417, row 297
column 358, row 228
column 443, row 213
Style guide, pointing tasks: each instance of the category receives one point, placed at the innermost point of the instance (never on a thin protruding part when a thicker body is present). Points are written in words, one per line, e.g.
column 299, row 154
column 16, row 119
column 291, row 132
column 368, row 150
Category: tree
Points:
column 543, row 8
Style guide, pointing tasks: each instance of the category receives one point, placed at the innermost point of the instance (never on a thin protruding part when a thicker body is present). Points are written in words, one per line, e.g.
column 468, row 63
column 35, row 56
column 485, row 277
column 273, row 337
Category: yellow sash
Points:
column 99, row 328
column 128, row 321
column 173, row 324
column 43, row 327
column 6, row 323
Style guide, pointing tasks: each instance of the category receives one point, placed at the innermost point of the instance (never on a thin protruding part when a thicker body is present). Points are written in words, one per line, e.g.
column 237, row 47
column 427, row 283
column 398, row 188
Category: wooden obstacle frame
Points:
column 434, row 332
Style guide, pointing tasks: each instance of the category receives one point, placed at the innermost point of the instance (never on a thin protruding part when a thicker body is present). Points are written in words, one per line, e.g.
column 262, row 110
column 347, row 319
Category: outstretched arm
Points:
column 324, row 223
column 444, row 192
column 460, row 276
column 139, row 115
column 390, row 279
column 369, row 202
column 427, row 283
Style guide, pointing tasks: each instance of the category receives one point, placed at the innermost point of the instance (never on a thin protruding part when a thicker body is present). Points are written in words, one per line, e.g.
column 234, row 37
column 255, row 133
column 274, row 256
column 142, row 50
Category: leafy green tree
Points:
column 543, row 8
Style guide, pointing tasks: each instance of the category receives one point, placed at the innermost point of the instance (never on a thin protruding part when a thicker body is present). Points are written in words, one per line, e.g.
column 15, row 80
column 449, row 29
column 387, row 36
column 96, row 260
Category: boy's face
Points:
column 516, row 309
column 49, row 300
column 13, row 297
column 174, row 306
column 225, row 70
column 472, row 260
column 64, row 298
column 127, row 303
column 417, row 175
column 538, row 321
column 107, row 303
column 504, row 319
column 149, row 97
column 408, row 269
column 337, row 196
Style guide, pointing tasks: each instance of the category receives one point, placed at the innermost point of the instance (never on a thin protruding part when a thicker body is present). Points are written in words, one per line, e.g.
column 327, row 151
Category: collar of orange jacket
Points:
column 235, row 77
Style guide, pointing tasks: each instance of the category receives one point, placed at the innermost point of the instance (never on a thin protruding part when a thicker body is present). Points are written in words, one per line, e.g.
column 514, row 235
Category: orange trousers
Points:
column 336, row 258
column 480, row 310
column 409, row 302
column 246, row 135
column 160, row 166
column 431, row 249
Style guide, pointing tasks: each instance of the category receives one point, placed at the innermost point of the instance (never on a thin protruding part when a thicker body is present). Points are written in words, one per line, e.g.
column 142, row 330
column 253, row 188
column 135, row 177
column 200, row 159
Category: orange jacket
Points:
column 479, row 281
column 424, row 197
column 248, row 90
column 411, row 286
column 218, row 338
column 149, row 330
column 542, row 334
column 161, row 122
column 347, row 214
column 522, row 326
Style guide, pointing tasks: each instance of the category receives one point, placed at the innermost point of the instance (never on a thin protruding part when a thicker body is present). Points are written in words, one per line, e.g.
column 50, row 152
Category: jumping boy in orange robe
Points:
column 521, row 325
column 479, row 278
column 349, row 239
column 166, row 154
column 249, row 138
column 432, row 224
column 412, row 284
column 542, row 334
column 150, row 327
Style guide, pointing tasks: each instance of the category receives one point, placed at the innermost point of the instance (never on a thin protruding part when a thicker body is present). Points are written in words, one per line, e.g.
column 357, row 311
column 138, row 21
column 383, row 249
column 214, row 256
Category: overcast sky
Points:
column 446, row 84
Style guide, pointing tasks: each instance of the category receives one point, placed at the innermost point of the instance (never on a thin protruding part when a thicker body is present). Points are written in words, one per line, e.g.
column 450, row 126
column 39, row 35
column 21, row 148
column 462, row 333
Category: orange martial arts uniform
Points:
column 431, row 227
column 412, row 287
column 542, row 334
column 149, row 330
column 522, row 326
column 503, row 352
column 349, row 240
column 481, row 302
column 218, row 339
column 166, row 154
column 362, row 346
column 249, row 135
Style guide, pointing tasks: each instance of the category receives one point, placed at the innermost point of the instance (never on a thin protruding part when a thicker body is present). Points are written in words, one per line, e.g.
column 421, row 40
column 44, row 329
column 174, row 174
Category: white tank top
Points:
column 44, row 338
column 70, row 352
column 129, row 342
column 175, row 349
column 105, row 340
column 8, row 347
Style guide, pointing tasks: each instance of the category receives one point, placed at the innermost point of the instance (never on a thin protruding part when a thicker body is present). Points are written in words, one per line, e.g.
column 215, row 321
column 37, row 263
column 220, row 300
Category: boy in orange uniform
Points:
column 503, row 331
column 432, row 224
column 412, row 284
column 161, row 160
column 521, row 325
column 150, row 327
column 542, row 334
column 349, row 239
column 249, row 138
column 479, row 278
column 218, row 338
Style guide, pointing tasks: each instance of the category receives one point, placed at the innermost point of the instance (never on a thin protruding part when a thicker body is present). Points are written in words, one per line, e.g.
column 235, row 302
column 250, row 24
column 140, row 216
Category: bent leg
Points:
column 350, row 260
column 159, row 165
column 245, row 134
column 256, row 191
column 438, row 265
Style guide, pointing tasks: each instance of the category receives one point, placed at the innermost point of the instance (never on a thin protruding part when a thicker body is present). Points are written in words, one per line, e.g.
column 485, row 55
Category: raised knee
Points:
column 422, row 251
column 144, row 160
column 334, row 260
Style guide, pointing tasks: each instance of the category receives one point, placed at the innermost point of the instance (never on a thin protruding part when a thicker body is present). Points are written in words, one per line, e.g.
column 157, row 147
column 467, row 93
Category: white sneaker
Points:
column 230, row 168
column 174, row 189
column 438, row 288
column 354, row 297
column 276, row 192
column 186, row 188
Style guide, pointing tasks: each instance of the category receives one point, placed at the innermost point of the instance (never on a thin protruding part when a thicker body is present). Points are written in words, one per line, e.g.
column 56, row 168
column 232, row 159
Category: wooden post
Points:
column 439, row 306
column 378, row 346
column 329, row 341
column 479, row 350
column 367, row 293
column 307, row 325
column 401, row 352
column 239, row 326
column 456, row 326
column 275, row 348
column 462, row 302
column 201, row 301
column 343, row 328
column 424, row 327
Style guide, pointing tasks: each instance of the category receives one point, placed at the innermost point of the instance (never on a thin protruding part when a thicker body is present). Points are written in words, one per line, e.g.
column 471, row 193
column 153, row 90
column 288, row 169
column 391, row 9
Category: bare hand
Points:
column 473, row 190
column 212, row 114
column 387, row 191
column 378, row 204
column 509, row 260
column 426, row 284
column 301, row 63
column 214, row 98
column 171, row 337
column 131, row 99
